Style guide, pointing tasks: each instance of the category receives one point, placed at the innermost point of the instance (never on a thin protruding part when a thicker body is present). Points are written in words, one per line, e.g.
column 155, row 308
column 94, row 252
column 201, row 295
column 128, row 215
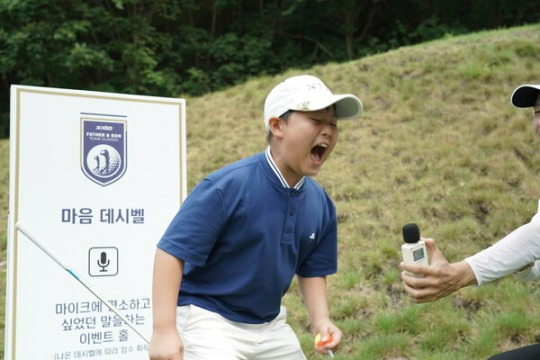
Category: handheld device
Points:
column 414, row 250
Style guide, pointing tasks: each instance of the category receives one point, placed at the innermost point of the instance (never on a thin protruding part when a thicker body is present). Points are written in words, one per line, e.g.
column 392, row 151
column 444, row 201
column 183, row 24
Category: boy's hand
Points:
column 166, row 346
column 328, row 337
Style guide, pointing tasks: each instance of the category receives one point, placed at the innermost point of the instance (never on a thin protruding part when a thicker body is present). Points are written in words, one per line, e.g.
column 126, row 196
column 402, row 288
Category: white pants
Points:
column 209, row 336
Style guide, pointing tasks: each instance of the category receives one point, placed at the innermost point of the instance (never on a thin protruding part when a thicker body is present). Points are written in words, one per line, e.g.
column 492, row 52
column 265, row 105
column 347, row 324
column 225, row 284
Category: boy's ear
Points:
column 275, row 124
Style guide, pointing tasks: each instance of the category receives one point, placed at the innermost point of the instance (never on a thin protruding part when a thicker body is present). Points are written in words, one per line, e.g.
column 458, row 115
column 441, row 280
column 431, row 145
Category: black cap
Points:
column 525, row 95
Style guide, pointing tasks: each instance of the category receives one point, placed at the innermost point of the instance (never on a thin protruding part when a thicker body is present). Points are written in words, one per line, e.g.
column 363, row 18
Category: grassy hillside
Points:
column 440, row 145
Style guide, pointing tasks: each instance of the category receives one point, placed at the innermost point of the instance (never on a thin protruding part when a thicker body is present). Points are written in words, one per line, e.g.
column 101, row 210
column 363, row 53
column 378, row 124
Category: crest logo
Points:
column 104, row 150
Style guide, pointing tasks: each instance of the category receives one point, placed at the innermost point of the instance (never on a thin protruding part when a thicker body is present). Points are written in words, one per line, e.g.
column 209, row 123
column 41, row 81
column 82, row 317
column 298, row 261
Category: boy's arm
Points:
column 314, row 293
column 165, row 342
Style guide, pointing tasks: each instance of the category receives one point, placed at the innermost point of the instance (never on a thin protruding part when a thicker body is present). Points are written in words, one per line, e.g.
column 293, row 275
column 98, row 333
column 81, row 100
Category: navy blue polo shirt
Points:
column 243, row 235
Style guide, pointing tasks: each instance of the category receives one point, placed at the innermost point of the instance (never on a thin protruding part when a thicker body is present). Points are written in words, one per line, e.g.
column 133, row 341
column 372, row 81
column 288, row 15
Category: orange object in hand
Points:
column 320, row 342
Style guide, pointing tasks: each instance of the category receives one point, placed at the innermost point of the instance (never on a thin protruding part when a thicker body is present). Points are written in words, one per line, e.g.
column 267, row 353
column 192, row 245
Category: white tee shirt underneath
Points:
column 517, row 249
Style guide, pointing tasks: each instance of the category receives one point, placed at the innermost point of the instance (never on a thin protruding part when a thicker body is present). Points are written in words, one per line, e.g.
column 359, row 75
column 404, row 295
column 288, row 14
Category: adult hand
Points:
column 437, row 280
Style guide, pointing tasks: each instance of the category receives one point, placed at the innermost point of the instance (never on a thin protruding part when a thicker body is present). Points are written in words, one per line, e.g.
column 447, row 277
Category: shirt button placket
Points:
column 291, row 216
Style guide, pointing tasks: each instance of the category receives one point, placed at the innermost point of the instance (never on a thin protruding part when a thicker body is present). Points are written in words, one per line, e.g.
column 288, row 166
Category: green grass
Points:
column 440, row 145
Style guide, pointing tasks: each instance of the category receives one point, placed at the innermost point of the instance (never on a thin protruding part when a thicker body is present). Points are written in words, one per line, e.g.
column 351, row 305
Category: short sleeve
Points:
column 322, row 260
column 194, row 230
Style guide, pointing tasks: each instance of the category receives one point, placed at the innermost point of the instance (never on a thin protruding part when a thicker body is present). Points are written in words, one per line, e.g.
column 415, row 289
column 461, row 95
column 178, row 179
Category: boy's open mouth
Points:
column 318, row 151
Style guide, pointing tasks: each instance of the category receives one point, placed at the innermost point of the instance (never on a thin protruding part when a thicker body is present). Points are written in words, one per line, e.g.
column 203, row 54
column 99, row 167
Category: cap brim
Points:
column 348, row 106
column 525, row 95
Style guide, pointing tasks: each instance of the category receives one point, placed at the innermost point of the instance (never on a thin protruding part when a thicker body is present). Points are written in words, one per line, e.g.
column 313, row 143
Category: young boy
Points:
column 231, row 252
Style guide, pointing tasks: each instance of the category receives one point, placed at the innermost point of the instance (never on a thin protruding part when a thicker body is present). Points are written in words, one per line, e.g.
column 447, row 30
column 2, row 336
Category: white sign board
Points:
column 96, row 179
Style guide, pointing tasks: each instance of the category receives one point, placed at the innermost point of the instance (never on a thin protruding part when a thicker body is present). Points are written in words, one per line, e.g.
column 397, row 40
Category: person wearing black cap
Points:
column 518, row 253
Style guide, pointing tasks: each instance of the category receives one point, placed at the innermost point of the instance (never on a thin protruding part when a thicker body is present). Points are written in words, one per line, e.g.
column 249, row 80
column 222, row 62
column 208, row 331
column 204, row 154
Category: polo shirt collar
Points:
column 274, row 167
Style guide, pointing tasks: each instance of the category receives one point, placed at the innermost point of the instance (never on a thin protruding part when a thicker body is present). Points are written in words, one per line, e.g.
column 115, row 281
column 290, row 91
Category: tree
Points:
column 173, row 47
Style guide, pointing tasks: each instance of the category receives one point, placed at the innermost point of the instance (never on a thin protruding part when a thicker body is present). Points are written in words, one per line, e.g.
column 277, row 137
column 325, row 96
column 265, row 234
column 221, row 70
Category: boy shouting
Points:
column 231, row 252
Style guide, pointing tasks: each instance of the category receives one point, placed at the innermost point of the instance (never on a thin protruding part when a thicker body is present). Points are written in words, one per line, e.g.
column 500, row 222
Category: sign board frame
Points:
column 96, row 177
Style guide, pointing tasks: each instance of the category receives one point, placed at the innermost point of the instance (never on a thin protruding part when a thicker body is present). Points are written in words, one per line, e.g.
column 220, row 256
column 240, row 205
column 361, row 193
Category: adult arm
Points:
column 314, row 293
column 441, row 278
column 166, row 343
column 513, row 252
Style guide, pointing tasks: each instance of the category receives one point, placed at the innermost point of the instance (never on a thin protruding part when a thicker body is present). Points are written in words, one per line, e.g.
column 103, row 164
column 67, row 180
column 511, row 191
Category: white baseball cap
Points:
column 308, row 93
column 525, row 95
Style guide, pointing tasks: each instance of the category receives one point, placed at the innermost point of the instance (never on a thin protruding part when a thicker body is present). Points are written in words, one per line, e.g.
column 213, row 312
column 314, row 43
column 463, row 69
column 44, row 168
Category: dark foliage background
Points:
column 191, row 47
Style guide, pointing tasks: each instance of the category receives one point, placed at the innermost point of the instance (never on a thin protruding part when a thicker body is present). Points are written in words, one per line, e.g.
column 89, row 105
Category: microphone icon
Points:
column 103, row 262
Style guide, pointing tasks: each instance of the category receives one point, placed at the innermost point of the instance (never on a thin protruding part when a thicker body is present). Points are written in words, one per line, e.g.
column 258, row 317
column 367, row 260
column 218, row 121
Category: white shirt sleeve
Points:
column 517, row 249
column 530, row 273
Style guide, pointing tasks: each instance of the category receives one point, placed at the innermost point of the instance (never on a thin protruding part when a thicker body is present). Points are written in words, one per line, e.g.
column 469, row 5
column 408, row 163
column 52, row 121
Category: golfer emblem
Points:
column 103, row 158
